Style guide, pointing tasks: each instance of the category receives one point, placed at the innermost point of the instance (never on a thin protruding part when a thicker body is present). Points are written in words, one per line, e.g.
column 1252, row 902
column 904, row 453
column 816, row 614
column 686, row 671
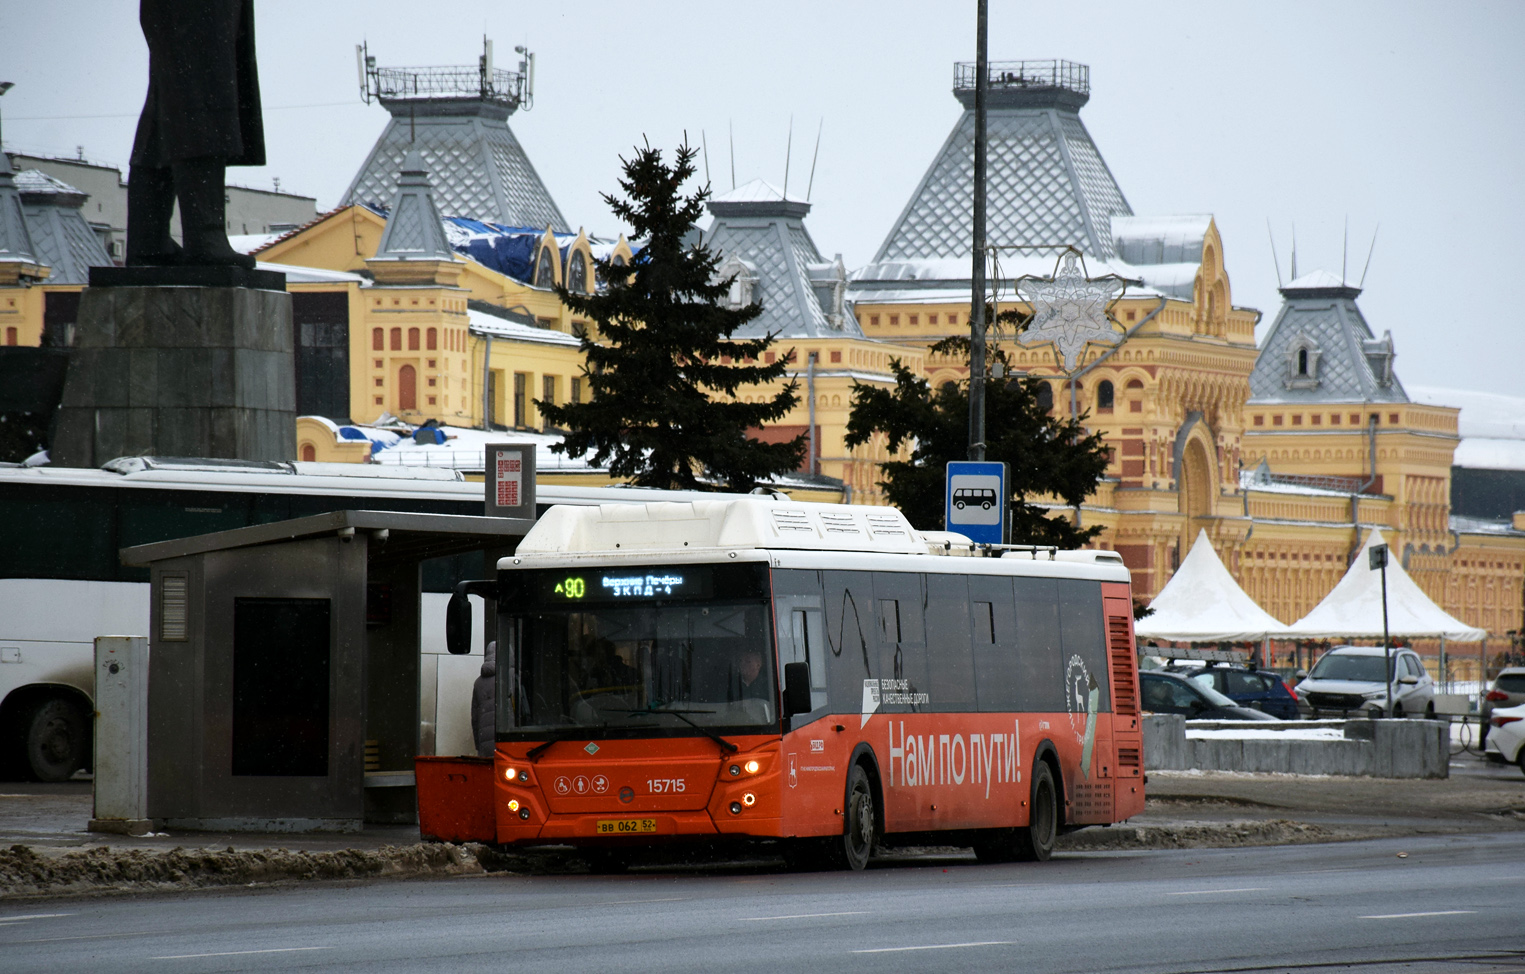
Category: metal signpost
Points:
column 510, row 480
column 976, row 500
column 1377, row 555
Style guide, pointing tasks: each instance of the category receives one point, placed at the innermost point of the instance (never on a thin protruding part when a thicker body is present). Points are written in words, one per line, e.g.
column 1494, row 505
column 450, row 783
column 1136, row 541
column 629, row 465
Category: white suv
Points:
column 1349, row 681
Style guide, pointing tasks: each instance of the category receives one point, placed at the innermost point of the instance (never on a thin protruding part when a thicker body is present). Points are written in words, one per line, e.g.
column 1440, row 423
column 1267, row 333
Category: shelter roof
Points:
column 1203, row 604
column 1355, row 607
column 409, row 536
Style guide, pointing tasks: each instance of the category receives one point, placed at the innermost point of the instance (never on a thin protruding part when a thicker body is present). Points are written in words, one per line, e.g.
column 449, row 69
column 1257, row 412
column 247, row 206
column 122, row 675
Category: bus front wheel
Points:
column 55, row 739
column 859, row 823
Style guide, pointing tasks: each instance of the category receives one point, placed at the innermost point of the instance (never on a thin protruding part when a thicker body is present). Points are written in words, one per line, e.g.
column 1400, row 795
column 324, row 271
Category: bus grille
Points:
column 1127, row 757
column 1124, row 683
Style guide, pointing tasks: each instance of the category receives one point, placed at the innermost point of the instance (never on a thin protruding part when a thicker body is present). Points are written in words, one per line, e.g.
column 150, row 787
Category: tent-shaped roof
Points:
column 1354, row 607
column 1203, row 604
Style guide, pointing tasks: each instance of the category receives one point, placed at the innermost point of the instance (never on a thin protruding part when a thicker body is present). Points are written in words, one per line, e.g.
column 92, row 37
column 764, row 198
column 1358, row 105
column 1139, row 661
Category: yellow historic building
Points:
column 1286, row 453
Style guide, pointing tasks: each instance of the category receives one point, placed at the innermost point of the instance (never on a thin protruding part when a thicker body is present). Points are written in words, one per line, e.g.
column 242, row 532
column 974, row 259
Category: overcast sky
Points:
column 1406, row 115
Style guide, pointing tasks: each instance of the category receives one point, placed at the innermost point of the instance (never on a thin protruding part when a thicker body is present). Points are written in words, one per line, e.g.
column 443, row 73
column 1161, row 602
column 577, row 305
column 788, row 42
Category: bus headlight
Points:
column 749, row 799
column 735, row 808
column 752, row 767
column 524, row 813
column 513, row 804
column 509, row 774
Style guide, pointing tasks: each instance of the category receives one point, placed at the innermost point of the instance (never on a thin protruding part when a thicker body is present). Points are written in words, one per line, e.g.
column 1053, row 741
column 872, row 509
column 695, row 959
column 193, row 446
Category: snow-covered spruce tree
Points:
column 664, row 410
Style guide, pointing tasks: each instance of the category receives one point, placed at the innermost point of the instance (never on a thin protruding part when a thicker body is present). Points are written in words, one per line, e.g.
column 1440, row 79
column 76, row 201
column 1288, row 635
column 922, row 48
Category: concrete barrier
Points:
column 1367, row 748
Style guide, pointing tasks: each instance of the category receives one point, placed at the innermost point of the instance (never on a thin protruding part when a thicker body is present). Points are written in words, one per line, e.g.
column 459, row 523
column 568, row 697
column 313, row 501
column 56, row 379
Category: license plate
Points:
column 625, row 826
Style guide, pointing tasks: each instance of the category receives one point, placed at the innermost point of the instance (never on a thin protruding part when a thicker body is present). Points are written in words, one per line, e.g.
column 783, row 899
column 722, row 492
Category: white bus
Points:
column 62, row 582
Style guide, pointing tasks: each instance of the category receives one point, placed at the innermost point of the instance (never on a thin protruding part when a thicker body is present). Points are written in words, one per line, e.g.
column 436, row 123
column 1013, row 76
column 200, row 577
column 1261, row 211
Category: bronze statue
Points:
column 202, row 114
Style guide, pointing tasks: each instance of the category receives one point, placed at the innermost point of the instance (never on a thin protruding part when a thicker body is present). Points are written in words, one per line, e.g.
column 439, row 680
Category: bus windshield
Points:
column 592, row 655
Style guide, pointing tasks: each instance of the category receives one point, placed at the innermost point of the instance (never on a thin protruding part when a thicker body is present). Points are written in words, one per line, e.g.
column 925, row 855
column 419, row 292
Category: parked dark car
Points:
column 1257, row 689
column 1167, row 693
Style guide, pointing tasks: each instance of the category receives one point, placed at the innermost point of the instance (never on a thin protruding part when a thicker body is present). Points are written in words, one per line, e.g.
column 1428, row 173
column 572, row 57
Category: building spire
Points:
column 413, row 247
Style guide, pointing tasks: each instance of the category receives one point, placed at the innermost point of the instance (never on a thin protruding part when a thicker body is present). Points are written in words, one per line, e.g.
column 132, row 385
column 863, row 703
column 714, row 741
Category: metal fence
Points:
column 458, row 81
column 1025, row 74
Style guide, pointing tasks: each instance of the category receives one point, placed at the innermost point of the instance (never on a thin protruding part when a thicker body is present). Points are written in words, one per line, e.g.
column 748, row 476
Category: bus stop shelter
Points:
column 283, row 689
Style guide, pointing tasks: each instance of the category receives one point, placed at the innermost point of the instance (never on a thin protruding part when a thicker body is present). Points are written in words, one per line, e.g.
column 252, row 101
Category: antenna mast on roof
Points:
column 788, row 148
column 1294, row 251
column 1275, row 261
column 810, row 187
column 1368, row 256
column 704, row 140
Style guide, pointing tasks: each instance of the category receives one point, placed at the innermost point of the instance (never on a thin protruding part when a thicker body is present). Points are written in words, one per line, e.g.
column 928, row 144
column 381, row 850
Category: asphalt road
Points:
column 1451, row 903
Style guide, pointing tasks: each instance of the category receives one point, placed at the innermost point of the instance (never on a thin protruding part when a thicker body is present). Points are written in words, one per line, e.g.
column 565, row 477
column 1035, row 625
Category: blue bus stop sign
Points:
column 976, row 500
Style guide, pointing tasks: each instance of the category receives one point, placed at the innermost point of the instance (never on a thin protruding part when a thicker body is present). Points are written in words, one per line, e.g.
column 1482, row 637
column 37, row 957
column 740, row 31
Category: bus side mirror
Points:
column 796, row 689
column 458, row 614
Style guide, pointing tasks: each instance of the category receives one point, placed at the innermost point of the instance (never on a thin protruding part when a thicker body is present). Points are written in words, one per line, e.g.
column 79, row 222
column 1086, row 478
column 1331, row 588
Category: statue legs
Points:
column 150, row 203
column 151, row 195
column 203, row 222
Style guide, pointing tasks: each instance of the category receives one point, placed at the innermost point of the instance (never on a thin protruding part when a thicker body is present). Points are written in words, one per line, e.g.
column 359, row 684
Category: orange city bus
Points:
column 816, row 675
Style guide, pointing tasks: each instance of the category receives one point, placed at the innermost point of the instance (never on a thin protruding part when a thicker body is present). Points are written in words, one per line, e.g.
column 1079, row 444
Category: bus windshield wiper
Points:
column 683, row 716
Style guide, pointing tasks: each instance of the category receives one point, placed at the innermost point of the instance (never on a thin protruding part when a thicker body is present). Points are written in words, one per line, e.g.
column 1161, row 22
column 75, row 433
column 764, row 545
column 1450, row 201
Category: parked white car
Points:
column 1351, row 681
column 1506, row 735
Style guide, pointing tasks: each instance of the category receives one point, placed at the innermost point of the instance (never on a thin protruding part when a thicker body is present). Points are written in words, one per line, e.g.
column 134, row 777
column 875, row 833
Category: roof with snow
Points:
column 1320, row 349
column 479, row 169
column 61, row 237
column 414, row 230
column 516, row 327
column 15, row 240
column 1048, row 185
column 769, row 257
column 1164, row 251
column 1492, row 426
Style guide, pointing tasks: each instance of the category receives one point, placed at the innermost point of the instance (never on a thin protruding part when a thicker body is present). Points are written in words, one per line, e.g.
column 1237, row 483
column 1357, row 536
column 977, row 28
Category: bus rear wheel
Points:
column 1035, row 843
column 859, row 823
column 55, row 739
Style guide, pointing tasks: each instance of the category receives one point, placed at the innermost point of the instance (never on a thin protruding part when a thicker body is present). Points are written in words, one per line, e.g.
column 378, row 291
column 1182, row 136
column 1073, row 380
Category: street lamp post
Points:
column 977, row 275
column 1377, row 556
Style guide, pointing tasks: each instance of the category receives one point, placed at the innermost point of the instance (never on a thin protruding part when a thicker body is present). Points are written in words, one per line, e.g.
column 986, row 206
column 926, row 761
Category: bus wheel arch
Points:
column 1048, row 754
column 863, row 756
column 860, row 836
column 51, row 726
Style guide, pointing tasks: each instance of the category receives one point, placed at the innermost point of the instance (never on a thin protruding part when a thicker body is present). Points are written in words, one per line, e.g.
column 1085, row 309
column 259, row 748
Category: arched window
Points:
column 1104, row 395
column 412, row 339
column 618, row 260
column 1045, row 397
column 407, row 388
column 431, row 339
column 577, row 273
column 378, row 340
column 1302, row 361
column 309, row 452
column 545, row 268
column 396, row 339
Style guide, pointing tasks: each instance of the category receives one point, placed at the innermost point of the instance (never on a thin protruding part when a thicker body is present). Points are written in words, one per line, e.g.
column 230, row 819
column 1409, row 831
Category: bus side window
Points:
column 1082, row 628
column 997, row 665
column 808, row 630
column 1041, row 667
column 950, row 660
column 889, row 620
column 984, row 622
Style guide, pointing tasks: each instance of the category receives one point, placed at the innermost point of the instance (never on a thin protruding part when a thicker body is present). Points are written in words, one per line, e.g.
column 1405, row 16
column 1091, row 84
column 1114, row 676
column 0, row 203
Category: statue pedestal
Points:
column 179, row 371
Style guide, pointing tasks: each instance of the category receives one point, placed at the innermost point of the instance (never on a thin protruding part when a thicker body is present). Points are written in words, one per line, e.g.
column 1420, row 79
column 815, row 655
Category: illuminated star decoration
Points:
column 1070, row 309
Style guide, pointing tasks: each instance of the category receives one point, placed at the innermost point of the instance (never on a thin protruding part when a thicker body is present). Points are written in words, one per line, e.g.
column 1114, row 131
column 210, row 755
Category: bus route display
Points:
column 626, row 585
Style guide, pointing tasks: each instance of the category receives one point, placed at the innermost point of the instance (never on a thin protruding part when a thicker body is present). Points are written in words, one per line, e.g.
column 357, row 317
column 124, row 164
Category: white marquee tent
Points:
column 1354, row 607
column 1203, row 604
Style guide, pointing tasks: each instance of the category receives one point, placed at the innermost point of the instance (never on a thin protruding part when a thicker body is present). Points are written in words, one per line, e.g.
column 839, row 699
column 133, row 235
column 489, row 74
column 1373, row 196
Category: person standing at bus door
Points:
column 484, row 719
